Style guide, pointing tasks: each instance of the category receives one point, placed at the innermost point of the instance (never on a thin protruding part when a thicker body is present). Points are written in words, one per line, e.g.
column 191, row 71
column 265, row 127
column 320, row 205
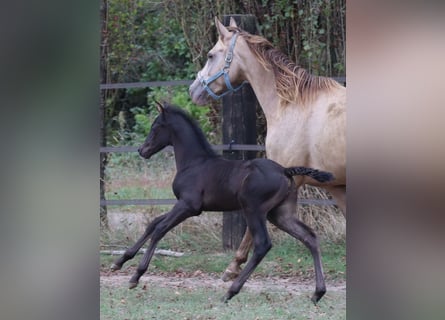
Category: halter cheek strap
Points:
column 224, row 72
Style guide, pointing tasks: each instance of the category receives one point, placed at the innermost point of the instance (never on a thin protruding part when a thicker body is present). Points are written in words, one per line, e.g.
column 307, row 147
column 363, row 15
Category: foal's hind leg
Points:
column 283, row 217
column 234, row 269
column 131, row 252
column 257, row 223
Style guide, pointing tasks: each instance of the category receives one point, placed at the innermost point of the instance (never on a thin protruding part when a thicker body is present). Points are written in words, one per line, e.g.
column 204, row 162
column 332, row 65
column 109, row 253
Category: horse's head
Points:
column 159, row 136
column 221, row 73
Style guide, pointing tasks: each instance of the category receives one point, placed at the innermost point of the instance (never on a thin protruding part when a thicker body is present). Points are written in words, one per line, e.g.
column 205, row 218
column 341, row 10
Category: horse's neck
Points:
column 187, row 148
column 263, row 84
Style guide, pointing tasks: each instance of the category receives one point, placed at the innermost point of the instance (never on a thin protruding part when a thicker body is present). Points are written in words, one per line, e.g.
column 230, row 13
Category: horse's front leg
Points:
column 131, row 252
column 241, row 255
column 180, row 212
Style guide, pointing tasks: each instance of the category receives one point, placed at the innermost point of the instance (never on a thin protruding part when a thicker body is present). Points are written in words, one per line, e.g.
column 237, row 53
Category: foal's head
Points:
column 174, row 127
column 159, row 136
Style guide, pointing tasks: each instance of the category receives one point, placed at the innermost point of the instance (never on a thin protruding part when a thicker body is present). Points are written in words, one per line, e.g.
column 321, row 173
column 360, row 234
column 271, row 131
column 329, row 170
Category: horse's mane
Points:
column 201, row 139
column 293, row 83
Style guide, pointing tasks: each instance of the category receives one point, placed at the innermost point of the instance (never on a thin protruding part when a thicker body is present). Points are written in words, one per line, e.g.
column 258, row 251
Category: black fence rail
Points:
column 171, row 83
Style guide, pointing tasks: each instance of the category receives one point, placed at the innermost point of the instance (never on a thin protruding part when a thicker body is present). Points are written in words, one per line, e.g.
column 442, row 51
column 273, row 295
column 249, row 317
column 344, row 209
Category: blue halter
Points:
column 223, row 72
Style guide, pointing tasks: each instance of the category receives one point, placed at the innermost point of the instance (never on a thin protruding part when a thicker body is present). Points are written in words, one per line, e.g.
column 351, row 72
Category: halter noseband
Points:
column 223, row 72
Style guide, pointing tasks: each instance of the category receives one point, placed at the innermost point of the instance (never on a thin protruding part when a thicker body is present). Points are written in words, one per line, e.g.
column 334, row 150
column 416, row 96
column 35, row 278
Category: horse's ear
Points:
column 222, row 31
column 233, row 23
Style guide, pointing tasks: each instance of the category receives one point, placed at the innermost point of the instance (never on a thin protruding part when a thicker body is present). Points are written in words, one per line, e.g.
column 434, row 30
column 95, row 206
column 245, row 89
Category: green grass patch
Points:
column 204, row 303
column 287, row 258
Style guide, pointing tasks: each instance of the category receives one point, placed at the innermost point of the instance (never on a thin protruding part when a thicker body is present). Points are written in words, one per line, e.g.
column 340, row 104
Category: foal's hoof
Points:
column 225, row 299
column 317, row 296
column 229, row 275
column 229, row 295
column 115, row 267
column 132, row 285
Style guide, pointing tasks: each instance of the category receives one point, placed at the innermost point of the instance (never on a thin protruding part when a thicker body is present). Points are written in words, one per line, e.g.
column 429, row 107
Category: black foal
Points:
column 204, row 181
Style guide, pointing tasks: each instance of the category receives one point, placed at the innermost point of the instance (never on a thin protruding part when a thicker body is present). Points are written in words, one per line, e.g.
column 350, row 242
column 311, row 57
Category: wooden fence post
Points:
column 239, row 127
column 103, row 93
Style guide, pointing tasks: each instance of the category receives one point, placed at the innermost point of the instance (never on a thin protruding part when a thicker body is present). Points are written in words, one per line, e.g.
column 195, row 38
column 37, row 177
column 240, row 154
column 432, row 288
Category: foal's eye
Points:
column 209, row 55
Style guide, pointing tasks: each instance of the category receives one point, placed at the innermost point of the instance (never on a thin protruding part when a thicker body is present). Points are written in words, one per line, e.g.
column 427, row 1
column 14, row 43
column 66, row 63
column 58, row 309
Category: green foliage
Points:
column 312, row 32
column 143, row 120
column 145, row 44
column 164, row 40
column 181, row 98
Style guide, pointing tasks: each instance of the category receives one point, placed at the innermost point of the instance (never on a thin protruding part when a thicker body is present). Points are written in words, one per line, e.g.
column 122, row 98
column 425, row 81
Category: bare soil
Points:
column 200, row 279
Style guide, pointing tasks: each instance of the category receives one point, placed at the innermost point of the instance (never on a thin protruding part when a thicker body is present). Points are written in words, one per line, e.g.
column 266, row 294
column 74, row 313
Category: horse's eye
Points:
column 209, row 56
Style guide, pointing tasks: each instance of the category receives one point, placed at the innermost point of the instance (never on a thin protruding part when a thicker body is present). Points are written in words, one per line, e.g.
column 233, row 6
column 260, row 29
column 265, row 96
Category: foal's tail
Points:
column 320, row 176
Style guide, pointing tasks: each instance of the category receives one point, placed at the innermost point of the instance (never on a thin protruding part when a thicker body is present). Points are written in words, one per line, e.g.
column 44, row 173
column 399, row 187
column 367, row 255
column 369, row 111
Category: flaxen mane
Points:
column 294, row 84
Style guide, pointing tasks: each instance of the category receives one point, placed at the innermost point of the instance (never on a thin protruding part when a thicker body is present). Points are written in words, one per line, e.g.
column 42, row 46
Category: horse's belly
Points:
column 288, row 148
column 327, row 138
column 319, row 144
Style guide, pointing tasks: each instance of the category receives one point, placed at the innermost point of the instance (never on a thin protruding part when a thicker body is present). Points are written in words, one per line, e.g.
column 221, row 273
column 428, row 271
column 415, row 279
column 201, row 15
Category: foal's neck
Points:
column 189, row 148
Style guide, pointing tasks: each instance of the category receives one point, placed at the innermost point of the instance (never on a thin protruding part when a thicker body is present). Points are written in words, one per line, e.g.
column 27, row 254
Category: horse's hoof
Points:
column 229, row 275
column 115, row 267
column 132, row 285
column 317, row 296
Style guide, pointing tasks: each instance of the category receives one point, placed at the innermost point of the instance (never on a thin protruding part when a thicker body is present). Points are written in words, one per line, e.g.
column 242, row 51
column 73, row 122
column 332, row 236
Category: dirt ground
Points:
column 199, row 279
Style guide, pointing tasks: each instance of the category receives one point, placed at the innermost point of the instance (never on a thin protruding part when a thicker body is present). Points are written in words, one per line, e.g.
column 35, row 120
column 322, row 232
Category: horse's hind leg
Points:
column 283, row 217
column 339, row 194
column 241, row 255
column 131, row 252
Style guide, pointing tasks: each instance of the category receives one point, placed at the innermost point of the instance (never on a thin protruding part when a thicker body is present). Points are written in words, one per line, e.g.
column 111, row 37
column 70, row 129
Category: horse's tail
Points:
column 320, row 176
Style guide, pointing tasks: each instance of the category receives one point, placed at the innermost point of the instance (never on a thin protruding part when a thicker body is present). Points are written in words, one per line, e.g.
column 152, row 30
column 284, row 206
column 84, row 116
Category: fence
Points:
column 218, row 148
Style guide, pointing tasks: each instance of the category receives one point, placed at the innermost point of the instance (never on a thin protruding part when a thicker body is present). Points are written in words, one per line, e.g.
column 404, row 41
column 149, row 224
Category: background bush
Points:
column 148, row 41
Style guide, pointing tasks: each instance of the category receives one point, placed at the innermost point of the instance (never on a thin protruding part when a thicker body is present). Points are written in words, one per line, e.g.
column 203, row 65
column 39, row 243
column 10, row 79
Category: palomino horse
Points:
column 305, row 114
column 205, row 181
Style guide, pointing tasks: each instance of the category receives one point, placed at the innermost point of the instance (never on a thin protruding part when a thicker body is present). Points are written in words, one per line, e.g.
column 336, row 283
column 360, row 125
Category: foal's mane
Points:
column 293, row 83
column 193, row 124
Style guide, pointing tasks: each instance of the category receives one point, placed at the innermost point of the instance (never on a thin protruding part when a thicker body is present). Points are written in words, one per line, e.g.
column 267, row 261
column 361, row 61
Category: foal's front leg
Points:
column 131, row 252
column 180, row 212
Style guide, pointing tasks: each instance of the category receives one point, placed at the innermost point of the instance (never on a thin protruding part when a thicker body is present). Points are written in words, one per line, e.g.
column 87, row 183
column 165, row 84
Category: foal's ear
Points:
column 159, row 106
column 222, row 31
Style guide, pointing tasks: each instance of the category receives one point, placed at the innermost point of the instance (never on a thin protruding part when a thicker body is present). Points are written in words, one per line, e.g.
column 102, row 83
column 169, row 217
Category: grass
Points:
column 287, row 259
column 203, row 303
column 200, row 238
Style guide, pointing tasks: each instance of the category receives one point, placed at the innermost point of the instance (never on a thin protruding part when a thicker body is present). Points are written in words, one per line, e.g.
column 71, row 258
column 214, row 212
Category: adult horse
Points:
column 262, row 188
column 305, row 114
